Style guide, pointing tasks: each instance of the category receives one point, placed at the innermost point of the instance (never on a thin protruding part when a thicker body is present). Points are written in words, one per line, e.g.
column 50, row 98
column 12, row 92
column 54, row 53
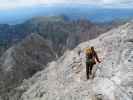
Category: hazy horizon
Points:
column 92, row 13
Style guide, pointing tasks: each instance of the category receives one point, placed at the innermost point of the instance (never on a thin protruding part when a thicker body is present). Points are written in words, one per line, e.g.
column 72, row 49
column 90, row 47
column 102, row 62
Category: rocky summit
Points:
column 65, row 79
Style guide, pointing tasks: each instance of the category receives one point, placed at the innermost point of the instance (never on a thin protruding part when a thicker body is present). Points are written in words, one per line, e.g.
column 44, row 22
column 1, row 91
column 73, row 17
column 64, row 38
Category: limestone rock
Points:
column 65, row 78
column 23, row 60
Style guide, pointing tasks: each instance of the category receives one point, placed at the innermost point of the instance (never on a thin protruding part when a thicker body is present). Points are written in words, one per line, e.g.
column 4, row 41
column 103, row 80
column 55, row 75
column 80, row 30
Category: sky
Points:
column 10, row 4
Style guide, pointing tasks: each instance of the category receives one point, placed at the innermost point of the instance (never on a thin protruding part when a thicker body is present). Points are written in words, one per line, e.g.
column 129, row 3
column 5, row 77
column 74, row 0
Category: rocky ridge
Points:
column 64, row 79
column 63, row 33
column 22, row 61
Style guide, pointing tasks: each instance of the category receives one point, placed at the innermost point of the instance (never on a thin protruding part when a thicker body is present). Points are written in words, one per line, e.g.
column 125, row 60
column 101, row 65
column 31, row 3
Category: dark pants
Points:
column 89, row 67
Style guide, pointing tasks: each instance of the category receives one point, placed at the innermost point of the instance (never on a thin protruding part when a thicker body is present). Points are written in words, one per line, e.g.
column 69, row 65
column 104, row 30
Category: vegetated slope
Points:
column 64, row 79
column 23, row 60
column 62, row 32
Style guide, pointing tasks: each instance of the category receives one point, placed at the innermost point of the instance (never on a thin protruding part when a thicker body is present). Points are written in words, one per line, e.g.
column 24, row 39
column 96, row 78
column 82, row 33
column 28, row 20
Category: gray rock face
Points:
column 65, row 78
column 22, row 61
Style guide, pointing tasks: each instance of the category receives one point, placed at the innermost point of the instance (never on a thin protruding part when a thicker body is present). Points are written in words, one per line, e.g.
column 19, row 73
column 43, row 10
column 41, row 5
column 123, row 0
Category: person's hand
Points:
column 99, row 61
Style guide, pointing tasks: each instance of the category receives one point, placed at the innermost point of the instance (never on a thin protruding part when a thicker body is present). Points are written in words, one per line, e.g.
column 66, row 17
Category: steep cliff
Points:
column 65, row 78
column 22, row 61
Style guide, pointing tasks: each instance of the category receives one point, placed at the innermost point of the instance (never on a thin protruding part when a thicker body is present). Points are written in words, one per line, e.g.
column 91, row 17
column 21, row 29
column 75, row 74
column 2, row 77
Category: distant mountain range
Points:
column 72, row 12
column 63, row 33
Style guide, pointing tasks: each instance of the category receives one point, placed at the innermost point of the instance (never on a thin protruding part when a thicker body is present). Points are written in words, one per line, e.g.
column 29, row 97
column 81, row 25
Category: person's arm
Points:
column 96, row 56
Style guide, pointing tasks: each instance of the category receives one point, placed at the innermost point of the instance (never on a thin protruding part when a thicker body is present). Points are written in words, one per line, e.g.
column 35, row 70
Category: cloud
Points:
column 117, row 3
column 8, row 4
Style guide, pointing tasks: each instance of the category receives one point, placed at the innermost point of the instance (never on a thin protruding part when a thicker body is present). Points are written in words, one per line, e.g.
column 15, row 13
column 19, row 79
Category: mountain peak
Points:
column 23, row 60
column 65, row 78
column 42, row 19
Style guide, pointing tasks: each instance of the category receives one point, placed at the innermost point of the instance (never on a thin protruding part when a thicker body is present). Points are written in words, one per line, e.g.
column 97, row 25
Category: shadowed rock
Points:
column 23, row 60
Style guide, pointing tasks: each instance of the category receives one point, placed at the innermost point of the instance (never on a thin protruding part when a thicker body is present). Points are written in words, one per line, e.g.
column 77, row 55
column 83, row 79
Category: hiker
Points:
column 91, row 58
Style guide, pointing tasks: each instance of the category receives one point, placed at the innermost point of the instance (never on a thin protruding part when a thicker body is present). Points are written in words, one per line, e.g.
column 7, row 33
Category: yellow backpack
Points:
column 88, row 51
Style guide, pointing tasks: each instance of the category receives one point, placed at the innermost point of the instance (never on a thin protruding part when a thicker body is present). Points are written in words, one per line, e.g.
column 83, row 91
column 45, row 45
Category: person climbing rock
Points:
column 91, row 58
